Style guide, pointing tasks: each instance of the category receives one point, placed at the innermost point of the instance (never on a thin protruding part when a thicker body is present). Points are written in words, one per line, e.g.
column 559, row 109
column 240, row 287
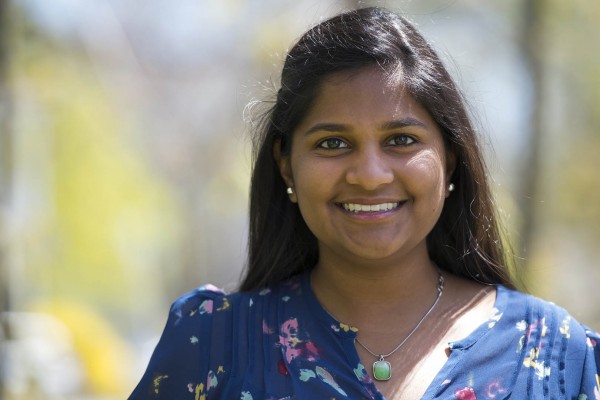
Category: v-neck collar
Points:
column 458, row 348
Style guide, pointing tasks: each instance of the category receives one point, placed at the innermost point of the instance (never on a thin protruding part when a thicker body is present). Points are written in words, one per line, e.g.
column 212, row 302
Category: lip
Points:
column 368, row 201
column 371, row 209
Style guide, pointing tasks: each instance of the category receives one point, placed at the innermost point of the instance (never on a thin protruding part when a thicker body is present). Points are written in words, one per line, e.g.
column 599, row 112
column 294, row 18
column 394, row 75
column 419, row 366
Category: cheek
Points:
column 427, row 172
column 310, row 178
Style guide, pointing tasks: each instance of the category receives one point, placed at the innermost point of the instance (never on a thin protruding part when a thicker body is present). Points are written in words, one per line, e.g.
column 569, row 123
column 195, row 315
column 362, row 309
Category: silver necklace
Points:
column 382, row 370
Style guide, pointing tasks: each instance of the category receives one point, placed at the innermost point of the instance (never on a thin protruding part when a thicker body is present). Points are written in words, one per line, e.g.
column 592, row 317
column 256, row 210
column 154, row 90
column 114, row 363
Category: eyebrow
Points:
column 403, row 123
column 327, row 127
column 395, row 124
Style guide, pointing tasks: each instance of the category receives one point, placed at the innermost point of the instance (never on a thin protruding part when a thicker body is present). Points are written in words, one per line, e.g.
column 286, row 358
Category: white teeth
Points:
column 369, row 207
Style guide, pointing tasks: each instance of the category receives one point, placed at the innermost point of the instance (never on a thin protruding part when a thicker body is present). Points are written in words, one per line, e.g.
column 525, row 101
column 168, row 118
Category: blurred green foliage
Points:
column 100, row 226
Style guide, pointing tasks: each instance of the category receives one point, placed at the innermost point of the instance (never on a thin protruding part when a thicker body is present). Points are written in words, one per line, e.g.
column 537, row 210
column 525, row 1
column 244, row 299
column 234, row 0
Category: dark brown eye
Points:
column 332, row 143
column 401, row 140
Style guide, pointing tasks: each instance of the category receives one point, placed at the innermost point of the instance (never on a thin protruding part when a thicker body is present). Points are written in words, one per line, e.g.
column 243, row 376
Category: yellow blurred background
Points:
column 124, row 160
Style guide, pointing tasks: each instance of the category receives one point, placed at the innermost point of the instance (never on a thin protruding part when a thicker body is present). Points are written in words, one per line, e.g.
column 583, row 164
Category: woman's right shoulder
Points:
column 209, row 300
column 193, row 346
column 200, row 300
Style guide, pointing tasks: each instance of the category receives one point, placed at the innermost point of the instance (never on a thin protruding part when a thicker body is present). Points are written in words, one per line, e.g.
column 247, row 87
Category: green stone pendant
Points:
column 382, row 370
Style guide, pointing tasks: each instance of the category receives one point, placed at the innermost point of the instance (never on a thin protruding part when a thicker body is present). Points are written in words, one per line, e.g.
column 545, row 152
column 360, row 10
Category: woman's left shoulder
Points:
column 531, row 309
column 551, row 336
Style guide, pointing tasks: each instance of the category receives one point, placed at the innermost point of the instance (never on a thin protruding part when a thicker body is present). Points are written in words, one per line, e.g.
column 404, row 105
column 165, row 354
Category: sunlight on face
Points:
column 368, row 165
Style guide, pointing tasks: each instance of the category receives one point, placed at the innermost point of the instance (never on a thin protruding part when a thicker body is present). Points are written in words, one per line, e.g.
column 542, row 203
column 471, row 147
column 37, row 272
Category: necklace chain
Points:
column 440, row 289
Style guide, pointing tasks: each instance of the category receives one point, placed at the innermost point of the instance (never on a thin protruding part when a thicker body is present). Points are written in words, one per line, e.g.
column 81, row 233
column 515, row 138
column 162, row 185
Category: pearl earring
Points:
column 451, row 187
column 290, row 190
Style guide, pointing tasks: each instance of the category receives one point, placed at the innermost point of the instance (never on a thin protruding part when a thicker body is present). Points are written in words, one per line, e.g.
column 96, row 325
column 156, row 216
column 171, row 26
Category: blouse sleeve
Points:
column 590, row 385
column 177, row 363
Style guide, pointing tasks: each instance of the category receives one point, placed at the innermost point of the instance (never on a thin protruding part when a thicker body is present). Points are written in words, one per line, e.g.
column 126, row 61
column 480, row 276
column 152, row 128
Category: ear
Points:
column 285, row 168
column 450, row 168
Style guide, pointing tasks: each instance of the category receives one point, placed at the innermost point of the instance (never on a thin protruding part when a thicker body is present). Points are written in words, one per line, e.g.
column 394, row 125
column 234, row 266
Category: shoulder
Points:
column 210, row 302
column 212, row 339
column 203, row 300
column 530, row 314
column 555, row 347
column 529, row 309
column 184, row 356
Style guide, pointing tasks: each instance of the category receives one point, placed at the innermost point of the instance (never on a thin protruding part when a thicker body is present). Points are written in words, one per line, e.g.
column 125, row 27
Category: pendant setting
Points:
column 382, row 370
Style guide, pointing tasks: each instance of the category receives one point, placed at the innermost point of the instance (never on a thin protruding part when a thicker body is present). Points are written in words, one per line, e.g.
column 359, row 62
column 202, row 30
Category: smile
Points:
column 369, row 207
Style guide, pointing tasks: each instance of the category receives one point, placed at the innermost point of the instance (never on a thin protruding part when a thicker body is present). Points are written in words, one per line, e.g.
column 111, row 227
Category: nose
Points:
column 370, row 169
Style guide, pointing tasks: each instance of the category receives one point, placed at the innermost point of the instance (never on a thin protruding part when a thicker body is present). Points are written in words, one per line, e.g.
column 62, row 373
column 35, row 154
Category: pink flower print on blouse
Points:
column 266, row 329
column 293, row 345
column 200, row 390
column 494, row 389
column 466, row 393
column 206, row 307
column 308, row 374
column 326, row 377
column 211, row 381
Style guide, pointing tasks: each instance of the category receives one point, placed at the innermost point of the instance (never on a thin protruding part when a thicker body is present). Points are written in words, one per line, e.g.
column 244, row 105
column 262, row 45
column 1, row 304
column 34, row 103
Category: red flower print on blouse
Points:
column 465, row 394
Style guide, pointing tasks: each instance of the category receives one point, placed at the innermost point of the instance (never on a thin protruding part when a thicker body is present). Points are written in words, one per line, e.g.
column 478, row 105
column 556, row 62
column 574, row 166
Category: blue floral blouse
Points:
column 279, row 343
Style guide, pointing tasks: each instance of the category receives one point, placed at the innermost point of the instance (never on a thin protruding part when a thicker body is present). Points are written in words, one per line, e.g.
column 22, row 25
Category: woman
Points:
column 376, row 268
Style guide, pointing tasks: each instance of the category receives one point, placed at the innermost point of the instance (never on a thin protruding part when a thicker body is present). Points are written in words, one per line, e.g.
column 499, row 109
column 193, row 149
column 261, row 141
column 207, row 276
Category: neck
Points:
column 368, row 293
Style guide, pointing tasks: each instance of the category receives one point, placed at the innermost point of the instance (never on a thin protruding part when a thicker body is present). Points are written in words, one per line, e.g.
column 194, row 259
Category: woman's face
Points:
column 369, row 169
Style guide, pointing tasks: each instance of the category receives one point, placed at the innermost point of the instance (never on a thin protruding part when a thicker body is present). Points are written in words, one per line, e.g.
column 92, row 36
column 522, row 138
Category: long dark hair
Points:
column 466, row 240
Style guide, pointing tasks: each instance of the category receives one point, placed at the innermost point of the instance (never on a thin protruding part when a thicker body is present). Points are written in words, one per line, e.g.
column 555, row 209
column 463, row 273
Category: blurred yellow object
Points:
column 106, row 357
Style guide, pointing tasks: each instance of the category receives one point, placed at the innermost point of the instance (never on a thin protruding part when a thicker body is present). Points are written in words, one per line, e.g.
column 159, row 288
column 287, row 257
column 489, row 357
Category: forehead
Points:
column 365, row 95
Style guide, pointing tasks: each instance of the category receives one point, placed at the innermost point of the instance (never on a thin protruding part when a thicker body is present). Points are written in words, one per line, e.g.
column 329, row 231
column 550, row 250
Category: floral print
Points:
column 465, row 394
column 206, row 307
column 293, row 345
column 279, row 343
column 532, row 359
column 156, row 383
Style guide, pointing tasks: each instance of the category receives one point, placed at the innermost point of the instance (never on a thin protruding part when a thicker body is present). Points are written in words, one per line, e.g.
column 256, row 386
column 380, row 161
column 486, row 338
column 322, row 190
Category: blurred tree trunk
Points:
column 532, row 49
column 5, row 177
